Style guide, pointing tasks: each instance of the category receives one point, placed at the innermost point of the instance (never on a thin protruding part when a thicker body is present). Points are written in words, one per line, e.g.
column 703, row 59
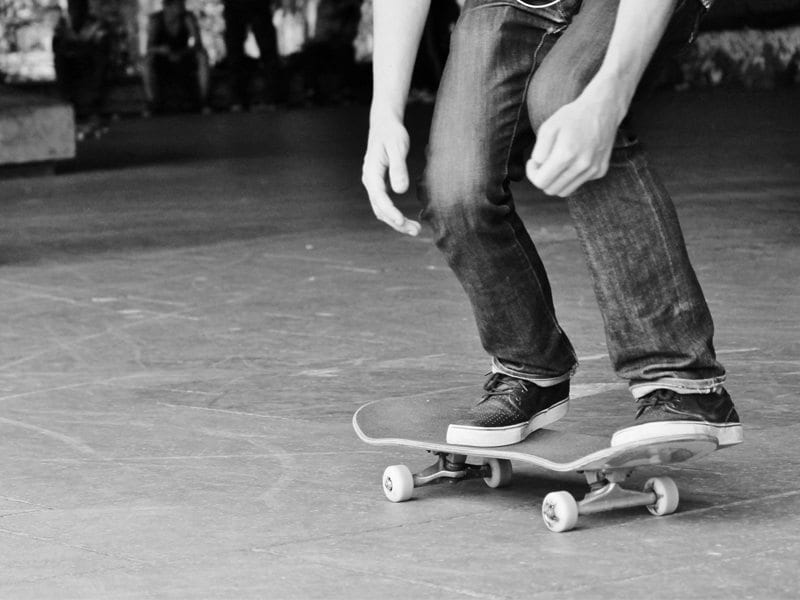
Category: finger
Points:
column 549, row 159
column 411, row 228
column 545, row 141
column 569, row 181
column 398, row 170
column 385, row 210
column 381, row 203
column 582, row 178
column 543, row 176
column 586, row 169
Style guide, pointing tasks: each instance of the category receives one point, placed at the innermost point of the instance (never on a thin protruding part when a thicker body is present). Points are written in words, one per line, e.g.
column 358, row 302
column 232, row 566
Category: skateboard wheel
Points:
column 501, row 473
column 398, row 483
column 559, row 511
column 667, row 496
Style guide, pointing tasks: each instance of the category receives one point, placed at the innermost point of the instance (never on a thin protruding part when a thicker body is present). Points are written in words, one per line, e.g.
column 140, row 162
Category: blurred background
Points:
column 323, row 47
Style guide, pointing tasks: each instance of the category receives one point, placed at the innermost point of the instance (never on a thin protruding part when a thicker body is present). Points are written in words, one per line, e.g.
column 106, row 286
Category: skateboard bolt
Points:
column 387, row 483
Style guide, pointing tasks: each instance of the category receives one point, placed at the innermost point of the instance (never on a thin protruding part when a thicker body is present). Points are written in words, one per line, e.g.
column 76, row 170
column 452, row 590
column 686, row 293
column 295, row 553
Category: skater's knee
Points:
column 446, row 199
column 458, row 203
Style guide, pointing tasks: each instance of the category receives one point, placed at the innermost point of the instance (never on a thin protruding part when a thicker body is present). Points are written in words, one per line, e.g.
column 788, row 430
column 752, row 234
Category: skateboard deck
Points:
column 422, row 423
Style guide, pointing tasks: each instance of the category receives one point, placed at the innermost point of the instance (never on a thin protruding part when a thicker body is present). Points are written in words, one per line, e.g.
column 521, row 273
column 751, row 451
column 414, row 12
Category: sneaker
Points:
column 510, row 411
column 665, row 413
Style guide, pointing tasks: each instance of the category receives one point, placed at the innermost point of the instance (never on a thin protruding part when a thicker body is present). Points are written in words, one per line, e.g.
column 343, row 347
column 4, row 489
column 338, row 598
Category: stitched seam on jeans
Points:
column 508, row 160
column 659, row 226
column 679, row 289
column 507, row 3
column 522, row 106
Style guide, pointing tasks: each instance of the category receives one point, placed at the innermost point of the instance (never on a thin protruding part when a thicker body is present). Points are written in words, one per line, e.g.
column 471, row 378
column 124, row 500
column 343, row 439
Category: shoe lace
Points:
column 652, row 400
column 500, row 384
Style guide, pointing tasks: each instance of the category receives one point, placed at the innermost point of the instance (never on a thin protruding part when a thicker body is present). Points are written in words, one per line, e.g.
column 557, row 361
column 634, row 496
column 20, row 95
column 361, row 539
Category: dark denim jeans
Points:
column 510, row 68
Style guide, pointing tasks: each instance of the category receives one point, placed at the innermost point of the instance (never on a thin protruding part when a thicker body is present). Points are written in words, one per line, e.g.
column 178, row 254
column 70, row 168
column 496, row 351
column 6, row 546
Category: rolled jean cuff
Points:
column 681, row 386
column 499, row 367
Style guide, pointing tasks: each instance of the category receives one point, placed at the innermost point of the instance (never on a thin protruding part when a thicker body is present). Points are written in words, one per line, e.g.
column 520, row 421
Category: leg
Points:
column 235, row 35
column 97, row 78
column 266, row 38
column 203, row 73
column 658, row 326
column 260, row 17
column 62, row 67
column 476, row 147
column 150, row 80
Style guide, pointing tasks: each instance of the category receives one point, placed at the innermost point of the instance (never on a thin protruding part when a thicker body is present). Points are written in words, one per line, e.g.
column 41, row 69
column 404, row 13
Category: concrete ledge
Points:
column 34, row 128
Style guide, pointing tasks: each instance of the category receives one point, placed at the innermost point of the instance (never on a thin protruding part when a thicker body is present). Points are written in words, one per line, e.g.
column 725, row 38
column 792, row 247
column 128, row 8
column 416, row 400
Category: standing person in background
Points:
column 175, row 55
column 329, row 57
column 81, row 51
column 293, row 30
column 255, row 15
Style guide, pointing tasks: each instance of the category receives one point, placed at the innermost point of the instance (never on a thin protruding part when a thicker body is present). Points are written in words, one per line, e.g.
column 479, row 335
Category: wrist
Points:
column 383, row 111
column 612, row 91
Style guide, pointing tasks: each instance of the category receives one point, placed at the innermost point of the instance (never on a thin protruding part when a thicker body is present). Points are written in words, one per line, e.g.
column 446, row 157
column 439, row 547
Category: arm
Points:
column 574, row 145
column 195, row 43
column 397, row 30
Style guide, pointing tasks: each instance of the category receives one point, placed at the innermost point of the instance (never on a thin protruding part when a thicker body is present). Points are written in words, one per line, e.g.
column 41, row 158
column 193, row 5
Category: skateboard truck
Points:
column 399, row 482
column 449, row 468
column 560, row 510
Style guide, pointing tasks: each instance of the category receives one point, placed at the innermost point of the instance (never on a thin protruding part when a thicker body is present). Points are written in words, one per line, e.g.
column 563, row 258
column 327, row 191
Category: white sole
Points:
column 726, row 435
column 490, row 437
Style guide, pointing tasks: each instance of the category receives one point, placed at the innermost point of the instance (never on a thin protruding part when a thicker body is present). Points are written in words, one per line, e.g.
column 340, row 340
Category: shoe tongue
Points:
column 662, row 395
column 500, row 382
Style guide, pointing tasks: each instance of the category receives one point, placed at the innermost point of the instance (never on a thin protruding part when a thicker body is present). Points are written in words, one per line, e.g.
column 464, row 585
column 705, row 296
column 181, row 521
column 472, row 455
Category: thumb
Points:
column 545, row 140
column 398, row 170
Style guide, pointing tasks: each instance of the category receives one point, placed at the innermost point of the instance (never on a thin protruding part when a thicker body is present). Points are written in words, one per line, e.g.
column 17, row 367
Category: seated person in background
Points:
column 81, row 50
column 176, row 71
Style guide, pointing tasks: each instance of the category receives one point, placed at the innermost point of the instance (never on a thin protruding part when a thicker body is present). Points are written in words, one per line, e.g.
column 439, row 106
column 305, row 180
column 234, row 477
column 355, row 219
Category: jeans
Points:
column 256, row 14
column 82, row 68
column 510, row 68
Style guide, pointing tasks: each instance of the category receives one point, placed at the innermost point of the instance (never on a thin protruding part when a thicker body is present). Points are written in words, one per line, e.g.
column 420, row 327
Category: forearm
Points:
column 195, row 42
column 638, row 29
column 397, row 29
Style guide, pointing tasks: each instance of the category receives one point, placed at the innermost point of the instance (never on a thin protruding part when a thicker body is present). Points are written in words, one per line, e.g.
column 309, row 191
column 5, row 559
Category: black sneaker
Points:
column 510, row 411
column 664, row 413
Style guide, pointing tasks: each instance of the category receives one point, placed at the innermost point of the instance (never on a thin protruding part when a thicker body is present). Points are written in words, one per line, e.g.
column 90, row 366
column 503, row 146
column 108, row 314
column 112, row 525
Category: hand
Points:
column 387, row 149
column 574, row 145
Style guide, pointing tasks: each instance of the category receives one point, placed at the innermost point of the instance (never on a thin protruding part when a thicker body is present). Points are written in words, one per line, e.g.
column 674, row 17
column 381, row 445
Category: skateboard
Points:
column 422, row 423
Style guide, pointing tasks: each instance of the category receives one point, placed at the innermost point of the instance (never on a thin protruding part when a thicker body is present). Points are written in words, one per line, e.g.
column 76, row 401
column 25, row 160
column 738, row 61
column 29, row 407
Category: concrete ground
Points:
column 196, row 306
